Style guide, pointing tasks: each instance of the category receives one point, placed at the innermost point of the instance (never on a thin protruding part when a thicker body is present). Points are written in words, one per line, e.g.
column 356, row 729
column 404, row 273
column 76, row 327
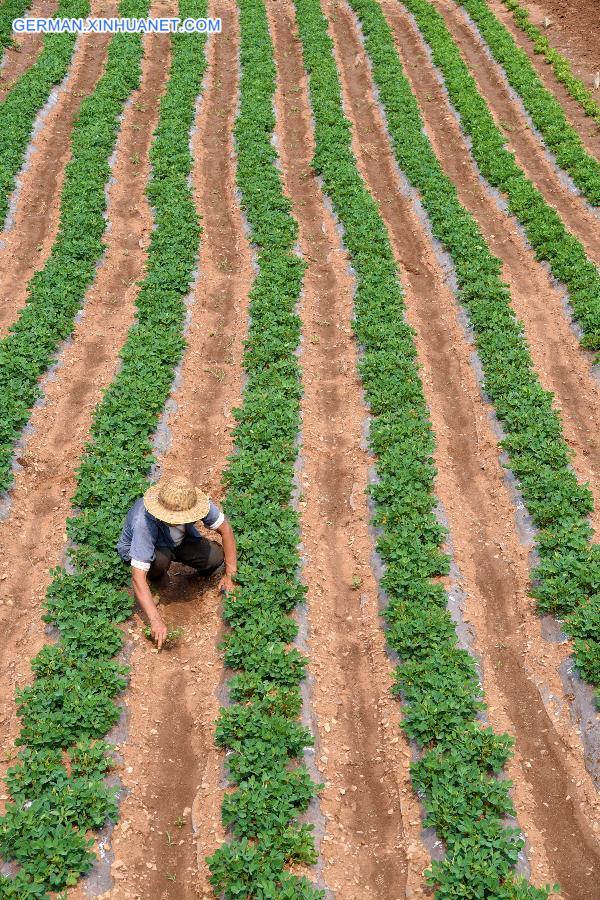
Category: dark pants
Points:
column 201, row 554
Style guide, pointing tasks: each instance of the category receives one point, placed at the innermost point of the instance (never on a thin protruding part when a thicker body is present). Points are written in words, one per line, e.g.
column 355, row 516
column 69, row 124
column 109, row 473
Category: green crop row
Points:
column 22, row 104
column 546, row 112
column 9, row 10
column 457, row 773
column 261, row 728
column 57, row 291
column 71, row 703
column 567, row 580
column 560, row 65
column 548, row 236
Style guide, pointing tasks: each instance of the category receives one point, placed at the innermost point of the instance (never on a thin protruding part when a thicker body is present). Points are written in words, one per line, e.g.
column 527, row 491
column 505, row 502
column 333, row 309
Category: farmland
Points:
column 338, row 264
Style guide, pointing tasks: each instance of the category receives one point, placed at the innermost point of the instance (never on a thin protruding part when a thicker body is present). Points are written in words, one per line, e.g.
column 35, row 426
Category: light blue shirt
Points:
column 143, row 533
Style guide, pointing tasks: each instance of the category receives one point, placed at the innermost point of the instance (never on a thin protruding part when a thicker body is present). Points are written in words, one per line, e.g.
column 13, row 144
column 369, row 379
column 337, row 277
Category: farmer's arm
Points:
column 143, row 546
column 144, row 598
column 230, row 553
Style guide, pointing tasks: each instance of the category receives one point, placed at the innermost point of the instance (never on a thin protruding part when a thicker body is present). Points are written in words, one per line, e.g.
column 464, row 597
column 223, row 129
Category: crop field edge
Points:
column 546, row 112
column 560, row 64
column 550, row 239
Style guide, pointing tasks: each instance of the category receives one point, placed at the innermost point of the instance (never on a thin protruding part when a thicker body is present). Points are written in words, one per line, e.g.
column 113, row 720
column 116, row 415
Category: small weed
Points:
column 173, row 635
column 217, row 372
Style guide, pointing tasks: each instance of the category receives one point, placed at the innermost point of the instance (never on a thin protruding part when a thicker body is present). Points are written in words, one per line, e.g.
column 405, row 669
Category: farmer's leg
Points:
column 201, row 554
column 160, row 564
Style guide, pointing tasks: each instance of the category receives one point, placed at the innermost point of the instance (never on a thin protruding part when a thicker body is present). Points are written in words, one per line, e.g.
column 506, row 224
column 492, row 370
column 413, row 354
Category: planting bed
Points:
column 338, row 264
column 31, row 223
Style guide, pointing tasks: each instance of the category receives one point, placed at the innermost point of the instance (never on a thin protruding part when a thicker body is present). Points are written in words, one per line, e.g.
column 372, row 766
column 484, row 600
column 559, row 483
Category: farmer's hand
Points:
column 158, row 629
column 226, row 584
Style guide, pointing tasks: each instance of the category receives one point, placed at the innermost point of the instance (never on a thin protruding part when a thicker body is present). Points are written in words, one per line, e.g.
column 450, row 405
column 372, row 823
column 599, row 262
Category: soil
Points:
column 574, row 31
column 362, row 756
column 26, row 245
column 491, row 562
column 520, row 139
column 172, row 769
column 588, row 130
column 18, row 59
column 33, row 536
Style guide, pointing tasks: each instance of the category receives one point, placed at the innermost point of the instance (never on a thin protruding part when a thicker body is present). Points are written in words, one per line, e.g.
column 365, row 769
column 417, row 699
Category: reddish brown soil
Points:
column 28, row 243
column 372, row 846
column 551, row 787
column 574, row 31
column 17, row 60
column 33, row 537
column 528, row 150
column 588, row 130
column 562, row 367
column 172, row 767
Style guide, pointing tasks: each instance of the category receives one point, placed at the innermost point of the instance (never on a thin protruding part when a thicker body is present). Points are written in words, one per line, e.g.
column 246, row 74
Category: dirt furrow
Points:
column 562, row 366
column 26, row 245
column 587, row 129
column 372, row 845
column 553, row 794
column 529, row 151
column 33, row 535
column 28, row 47
column 172, row 817
column 573, row 30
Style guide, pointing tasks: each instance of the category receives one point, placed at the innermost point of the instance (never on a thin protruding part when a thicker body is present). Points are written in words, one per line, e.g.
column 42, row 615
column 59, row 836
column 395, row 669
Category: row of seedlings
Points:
column 260, row 729
column 566, row 581
column 560, row 64
column 70, row 706
column 21, row 105
column 551, row 241
column 57, row 291
column 460, row 760
column 9, row 10
column 546, row 112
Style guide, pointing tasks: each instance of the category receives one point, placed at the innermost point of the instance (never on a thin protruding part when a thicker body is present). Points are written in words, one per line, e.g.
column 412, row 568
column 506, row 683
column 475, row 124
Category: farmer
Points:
column 160, row 528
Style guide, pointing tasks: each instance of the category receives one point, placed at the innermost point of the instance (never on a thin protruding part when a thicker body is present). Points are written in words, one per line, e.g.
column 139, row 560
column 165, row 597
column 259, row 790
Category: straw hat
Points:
column 176, row 501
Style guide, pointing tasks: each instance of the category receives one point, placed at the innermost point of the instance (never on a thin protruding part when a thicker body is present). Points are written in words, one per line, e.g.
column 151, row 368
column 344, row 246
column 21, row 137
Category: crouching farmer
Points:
column 160, row 528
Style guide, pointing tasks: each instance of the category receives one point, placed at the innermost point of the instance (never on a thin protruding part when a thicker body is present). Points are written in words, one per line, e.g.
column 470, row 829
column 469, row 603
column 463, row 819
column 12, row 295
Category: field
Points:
column 339, row 265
